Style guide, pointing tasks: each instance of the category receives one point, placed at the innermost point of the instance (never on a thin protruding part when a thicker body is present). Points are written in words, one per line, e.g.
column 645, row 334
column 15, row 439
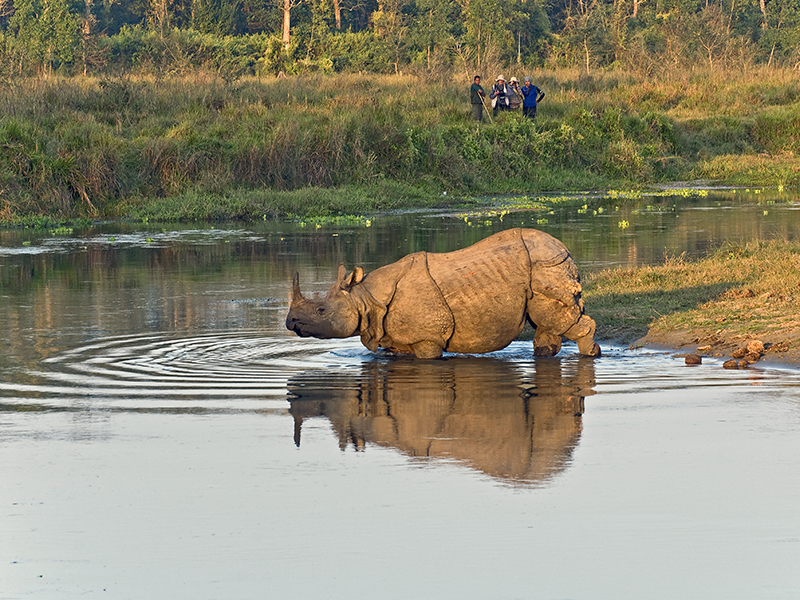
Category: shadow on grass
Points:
column 626, row 317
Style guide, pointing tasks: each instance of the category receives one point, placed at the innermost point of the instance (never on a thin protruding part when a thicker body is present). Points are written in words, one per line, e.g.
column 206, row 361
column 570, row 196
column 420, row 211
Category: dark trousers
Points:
column 477, row 112
column 500, row 107
column 529, row 111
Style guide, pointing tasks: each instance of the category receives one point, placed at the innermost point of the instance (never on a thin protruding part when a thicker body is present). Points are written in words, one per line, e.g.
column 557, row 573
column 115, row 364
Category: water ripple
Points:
column 231, row 369
column 248, row 370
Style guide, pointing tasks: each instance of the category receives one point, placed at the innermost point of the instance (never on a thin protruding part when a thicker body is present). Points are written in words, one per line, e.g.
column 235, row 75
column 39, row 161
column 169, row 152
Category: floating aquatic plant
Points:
column 61, row 231
column 319, row 222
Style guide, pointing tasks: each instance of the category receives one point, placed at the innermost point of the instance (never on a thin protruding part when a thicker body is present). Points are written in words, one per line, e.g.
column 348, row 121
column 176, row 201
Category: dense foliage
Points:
column 259, row 37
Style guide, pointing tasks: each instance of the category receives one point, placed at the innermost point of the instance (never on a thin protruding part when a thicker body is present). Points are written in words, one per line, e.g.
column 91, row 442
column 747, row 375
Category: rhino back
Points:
column 486, row 286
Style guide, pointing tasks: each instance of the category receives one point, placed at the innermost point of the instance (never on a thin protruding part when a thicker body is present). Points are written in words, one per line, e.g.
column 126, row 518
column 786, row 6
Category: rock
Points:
column 703, row 348
column 755, row 347
column 752, row 357
column 730, row 364
column 743, row 364
column 739, row 353
column 694, row 359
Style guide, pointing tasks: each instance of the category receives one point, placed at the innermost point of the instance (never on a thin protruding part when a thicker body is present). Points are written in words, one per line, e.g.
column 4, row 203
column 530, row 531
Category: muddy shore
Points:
column 779, row 350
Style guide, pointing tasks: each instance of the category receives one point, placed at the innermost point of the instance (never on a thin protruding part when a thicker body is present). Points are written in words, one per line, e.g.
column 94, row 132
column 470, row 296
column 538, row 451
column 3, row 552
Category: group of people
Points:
column 505, row 96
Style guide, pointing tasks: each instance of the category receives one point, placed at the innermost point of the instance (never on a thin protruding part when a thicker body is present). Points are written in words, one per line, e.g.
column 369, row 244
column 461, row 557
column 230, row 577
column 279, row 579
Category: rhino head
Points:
column 336, row 315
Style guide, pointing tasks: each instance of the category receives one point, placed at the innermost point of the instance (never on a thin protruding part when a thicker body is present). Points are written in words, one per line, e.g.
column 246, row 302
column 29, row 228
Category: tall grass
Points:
column 88, row 146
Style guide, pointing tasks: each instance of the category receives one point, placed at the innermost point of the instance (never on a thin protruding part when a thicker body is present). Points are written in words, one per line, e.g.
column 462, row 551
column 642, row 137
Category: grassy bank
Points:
column 736, row 293
column 198, row 147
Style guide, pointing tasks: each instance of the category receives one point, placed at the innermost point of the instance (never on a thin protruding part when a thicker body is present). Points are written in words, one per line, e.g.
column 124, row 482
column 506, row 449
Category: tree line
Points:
column 262, row 37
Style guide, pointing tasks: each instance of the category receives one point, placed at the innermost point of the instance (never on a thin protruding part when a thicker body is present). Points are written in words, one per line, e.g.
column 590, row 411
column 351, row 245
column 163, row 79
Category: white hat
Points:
column 500, row 78
column 514, row 80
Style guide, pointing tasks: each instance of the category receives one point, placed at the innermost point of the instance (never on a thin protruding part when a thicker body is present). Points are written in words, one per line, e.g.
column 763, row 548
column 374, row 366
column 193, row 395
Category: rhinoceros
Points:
column 472, row 300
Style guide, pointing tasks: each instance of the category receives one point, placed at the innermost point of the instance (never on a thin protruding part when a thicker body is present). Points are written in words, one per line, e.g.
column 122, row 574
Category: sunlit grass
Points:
column 738, row 290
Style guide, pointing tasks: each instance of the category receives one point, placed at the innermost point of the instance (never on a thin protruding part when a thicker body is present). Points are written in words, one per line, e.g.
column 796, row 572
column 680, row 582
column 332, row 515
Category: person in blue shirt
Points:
column 531, row 96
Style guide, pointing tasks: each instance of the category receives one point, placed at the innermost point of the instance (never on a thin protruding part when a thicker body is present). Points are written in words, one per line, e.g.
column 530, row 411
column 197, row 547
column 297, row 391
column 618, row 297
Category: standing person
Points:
column 532, row 95
column 499, row 95
column 515, row 97
column 477, row 95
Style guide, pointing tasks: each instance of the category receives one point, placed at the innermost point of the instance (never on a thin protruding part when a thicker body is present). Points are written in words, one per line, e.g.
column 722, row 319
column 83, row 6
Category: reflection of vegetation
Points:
column 751, row 289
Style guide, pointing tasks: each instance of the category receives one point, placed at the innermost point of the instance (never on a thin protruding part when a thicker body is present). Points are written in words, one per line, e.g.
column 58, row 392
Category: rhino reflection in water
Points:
column 485, row 412
column 472, row 300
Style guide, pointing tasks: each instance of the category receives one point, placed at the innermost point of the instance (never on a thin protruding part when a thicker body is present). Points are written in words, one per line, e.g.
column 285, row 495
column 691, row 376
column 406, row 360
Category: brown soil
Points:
column 780, row 349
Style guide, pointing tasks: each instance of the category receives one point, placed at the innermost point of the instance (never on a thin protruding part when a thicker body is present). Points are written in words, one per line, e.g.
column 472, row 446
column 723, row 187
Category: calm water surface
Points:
column 163, row 436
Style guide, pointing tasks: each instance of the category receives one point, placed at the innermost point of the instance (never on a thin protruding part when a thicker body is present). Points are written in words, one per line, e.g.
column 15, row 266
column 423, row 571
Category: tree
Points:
column 88, row 25
column 585, row 34
column 6, row 10
column 158, row 16
column 215, row 16
column 434, row 27
column 45, row 33
column 288, row 5
column 390, row 26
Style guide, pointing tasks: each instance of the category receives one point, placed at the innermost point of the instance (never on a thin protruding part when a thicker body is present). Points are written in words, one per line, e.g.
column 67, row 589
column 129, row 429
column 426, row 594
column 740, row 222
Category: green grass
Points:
column 196, row 147
column 738, row 291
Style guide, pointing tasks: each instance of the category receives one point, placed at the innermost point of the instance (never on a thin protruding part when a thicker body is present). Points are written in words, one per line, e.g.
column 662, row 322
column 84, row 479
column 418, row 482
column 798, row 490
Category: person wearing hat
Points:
column 515, row 95
column 531, row 96
column 477, row 95
column 499, row 95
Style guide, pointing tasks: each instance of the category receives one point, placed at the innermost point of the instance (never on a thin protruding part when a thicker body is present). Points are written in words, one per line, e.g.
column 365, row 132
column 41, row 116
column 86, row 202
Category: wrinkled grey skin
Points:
column 472, row 300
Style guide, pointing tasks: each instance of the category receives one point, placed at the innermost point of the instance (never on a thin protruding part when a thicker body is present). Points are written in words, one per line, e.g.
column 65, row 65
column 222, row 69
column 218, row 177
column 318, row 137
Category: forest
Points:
column 237, row 38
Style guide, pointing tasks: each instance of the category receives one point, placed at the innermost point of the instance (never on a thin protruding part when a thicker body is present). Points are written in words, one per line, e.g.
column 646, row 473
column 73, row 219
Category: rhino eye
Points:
column 321, row 310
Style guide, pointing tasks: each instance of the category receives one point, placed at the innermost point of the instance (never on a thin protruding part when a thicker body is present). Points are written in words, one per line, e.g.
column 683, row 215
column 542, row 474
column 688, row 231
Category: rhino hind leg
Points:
column 546, row 343
column 583, row 334
column 426, row 349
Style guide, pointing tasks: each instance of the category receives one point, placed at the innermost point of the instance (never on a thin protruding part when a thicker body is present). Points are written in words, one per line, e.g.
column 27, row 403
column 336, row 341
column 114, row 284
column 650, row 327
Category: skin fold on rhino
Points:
column 472, row 300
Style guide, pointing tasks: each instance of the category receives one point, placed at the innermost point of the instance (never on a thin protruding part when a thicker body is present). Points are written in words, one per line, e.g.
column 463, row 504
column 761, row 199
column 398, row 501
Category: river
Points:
column 163, row 436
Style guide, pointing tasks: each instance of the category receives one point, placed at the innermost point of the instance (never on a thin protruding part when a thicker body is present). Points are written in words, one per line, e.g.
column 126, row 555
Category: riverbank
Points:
column 198, row 147
column 711, row 306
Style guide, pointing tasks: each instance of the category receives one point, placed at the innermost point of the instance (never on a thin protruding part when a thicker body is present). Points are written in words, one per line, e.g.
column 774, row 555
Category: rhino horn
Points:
column 297, row 295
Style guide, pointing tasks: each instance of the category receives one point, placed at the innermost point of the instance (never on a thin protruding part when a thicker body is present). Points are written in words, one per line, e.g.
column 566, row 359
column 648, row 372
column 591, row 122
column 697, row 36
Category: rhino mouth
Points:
column 297, row 327
column 300, row 329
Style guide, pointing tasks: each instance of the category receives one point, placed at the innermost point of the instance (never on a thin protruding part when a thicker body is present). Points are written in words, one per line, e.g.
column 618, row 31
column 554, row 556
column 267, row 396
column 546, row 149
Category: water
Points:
column 163, row 436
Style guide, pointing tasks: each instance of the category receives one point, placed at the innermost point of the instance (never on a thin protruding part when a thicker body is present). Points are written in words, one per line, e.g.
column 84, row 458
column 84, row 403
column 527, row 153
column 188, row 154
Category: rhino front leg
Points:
column 583, row 334
column 546, row 343
column 427, row 350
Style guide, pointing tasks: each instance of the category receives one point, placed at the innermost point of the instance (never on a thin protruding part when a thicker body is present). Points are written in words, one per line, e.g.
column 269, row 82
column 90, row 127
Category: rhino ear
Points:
column 341, row 274
column 354, row 278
